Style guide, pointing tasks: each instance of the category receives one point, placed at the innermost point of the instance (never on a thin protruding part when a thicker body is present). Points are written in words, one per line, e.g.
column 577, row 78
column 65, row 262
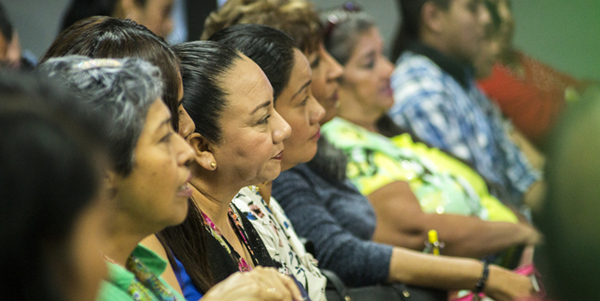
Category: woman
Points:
column 148, row 185
column 106, row 37
column 354, row 258
column 289, row 73
column 408, row 183
column 52, row 221
column 153, row 14
column 237, row 143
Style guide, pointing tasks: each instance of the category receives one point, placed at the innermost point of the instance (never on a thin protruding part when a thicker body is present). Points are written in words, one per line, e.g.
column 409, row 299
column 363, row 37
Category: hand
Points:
column 532, row 236
column 504, row 285
column 259, row 284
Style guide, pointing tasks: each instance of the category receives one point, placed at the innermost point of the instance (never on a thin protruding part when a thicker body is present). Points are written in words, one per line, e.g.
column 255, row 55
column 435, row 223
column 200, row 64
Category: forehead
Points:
column 246, row 85
column 158, row 113
column 301, row 72
column 368, row 41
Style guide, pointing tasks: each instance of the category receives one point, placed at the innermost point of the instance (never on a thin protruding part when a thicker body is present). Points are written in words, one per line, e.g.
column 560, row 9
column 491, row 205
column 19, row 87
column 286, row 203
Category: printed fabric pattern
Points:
column 281, row 240
column 461, row 121
column 441, row 183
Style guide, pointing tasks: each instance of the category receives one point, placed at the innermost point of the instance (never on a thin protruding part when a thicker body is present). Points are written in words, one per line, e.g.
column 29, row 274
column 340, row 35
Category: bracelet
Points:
column 484, row 276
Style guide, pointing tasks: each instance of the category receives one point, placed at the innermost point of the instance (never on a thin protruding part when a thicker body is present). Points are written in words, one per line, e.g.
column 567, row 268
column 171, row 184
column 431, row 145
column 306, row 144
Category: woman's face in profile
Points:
column 367, row 73
column 301, row 110
column 252, row 132
column 156, row 191
column 325, row 74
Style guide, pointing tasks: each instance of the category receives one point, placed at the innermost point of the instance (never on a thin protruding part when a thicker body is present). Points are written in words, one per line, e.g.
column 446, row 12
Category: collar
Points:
column 122, row 278
column 463, row 74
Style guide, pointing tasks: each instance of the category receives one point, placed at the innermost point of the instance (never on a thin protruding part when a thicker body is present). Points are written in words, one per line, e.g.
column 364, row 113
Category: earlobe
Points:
column 203, row 151
column 110, row 183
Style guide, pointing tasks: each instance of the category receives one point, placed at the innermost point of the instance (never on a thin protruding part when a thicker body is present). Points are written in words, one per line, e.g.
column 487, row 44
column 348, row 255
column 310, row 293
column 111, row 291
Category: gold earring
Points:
column 213, row 165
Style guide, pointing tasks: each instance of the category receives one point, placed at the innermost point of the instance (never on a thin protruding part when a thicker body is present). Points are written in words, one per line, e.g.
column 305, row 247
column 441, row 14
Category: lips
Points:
column 279, row 156
column 317, row 135
column 185, row 190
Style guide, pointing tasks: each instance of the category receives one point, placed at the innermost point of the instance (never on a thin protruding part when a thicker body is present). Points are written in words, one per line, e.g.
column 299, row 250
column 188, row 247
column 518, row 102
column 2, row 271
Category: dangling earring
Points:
column 213, row 165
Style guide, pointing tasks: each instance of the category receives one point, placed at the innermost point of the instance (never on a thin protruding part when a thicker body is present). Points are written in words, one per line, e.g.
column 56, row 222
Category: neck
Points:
column 212, row 193
column 357, row 112
column 265, row 191
column 123, row 237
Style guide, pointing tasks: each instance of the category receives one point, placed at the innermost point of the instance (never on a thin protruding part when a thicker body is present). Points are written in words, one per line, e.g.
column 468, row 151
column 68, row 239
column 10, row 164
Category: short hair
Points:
column 410, row 11
column 204, row 64
column 271, row 49
column 123, row 89
column 343, row 28
column 48, row 175
column 297, row 18
column 107, row 37
column 6, row 27
column 83, row 9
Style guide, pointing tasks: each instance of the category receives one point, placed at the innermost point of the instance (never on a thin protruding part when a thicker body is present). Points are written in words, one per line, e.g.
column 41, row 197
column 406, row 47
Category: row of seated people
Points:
column 192, row 191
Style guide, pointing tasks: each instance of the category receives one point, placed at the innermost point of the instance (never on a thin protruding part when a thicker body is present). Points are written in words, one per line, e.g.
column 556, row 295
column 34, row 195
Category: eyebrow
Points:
column 302, row 88
column 166, row 122
column 263, row 105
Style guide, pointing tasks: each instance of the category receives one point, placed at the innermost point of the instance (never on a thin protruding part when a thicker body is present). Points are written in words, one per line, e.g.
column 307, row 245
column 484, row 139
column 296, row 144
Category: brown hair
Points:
column 107, row 37
column 297, row 18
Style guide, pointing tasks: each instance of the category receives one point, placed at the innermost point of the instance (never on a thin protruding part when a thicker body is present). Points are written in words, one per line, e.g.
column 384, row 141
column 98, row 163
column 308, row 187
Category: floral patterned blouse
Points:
column 281, row 240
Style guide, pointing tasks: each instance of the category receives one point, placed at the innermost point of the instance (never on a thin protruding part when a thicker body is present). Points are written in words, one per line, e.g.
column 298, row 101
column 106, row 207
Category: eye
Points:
column 265, row 120
column 167, row 137
column 370, row 64
column 304, row 101
column 315, row 64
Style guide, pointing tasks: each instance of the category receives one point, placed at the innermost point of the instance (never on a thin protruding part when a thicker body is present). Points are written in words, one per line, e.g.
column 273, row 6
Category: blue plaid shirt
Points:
column 444, row 108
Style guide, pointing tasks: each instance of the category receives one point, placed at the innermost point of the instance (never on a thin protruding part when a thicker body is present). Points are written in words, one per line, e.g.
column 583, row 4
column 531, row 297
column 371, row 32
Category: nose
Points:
column 184, row 152
column 317, row 112
column 281, row 129
column 186, row 124
column 484, row 15
column 334, row 69
column 387, row 68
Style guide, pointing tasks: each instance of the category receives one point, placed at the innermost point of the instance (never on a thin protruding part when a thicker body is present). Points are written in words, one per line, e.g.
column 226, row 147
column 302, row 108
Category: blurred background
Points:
column 563, row 34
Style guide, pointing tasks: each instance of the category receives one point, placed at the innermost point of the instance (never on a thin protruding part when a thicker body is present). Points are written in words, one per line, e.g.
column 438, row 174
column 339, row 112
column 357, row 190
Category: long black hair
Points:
column 203, row 66
column 47, row 178
column 107, row 37
column 271, row 49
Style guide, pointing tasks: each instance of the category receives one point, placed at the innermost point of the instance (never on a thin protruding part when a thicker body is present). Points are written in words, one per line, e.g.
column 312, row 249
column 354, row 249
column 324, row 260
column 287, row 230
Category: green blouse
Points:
column 441, row 183
column 125, row 285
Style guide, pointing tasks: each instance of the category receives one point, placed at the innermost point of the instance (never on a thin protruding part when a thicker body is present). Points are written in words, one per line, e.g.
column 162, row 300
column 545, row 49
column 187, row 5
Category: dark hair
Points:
column 271, row 49
column 343, row 30
column 6, row 27
column 47, row 177
column 82, row 9
column 297, row 18
column 408, row 32
column 204, row 64
column 107, row 37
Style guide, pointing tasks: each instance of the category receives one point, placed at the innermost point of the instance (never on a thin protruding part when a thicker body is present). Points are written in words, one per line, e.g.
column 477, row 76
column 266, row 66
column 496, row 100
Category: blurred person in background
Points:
column 153, row 14
column 530, row 93
column 52, row 209
column 435, row 95
column 569, row 216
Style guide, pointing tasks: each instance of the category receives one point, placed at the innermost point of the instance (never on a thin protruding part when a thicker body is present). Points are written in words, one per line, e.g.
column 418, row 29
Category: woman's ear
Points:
column 203, row 151
column 110, row 182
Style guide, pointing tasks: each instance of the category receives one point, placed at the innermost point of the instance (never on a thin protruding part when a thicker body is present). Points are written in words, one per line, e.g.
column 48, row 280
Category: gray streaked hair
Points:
column 123, row 89
column 344, row 29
